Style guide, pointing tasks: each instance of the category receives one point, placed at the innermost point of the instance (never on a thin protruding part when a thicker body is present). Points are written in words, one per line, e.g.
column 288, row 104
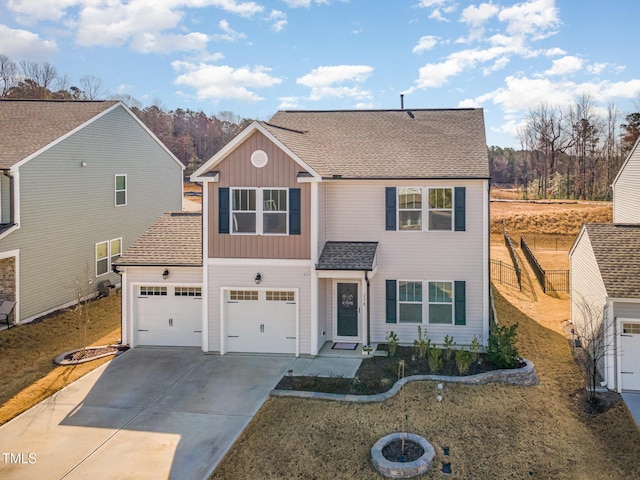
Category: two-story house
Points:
column 79, row 182
column 326, row 226
column 605, row 279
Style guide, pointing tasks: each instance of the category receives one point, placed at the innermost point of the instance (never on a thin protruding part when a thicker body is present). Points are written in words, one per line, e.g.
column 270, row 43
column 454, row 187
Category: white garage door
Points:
column 261, row 321
column 169, row 316
column 630, row 355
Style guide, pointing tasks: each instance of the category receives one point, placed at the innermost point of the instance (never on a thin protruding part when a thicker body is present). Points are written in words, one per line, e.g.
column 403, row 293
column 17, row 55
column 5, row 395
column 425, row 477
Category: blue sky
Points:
column 255, row 57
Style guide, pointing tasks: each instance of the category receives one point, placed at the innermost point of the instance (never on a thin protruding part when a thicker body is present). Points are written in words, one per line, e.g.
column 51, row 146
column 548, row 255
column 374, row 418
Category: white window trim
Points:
column 109, row 254
column 428, row 303
column 398, row 302
column 259, row 211
column 116, row 190
column 424, row 211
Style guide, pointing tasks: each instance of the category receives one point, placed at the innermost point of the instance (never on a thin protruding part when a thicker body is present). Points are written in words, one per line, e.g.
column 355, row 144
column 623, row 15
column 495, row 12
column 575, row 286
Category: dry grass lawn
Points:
column 492, row 431
column 29, row 374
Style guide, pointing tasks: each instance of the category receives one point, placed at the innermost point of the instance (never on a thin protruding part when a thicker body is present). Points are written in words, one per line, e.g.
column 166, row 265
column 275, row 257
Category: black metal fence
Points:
column 557, row 280
column 512, row 254
column 504, row 273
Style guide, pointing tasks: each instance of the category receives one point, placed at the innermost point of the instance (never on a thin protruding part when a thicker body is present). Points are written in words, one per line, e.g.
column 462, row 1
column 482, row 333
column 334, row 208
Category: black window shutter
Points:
column 294, row 211
column 461, row 303
column 390, row 199
column 223, row 210
column 460, row 195
column 391, row 301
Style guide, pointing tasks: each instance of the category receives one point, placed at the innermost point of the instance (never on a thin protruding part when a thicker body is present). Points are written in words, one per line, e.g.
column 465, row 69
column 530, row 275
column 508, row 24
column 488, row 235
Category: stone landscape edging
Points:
column 525, row 376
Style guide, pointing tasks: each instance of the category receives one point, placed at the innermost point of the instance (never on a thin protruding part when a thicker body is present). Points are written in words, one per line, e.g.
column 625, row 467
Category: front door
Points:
column 347, row 315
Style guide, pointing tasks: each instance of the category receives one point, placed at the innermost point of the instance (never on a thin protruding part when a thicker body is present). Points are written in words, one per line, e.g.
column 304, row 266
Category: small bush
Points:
column 474, row 348
column 392, row 342
column 435, row 359
column 464, row 358
column 422, row 343
column 502, row 350
column 448, row 347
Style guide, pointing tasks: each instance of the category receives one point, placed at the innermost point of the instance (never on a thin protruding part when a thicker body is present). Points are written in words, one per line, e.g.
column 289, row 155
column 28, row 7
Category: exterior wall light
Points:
column 258, row 278
column 165, row 274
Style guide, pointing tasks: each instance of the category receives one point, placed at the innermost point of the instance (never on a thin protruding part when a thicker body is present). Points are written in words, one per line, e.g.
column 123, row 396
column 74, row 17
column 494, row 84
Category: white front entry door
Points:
column 261, row 321
column 630, row 355
column 169, row 316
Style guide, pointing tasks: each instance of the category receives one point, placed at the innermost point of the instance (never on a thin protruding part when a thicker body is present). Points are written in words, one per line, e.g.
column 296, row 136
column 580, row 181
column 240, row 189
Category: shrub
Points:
column 502, row 350
column 435, row 359
column 474, row 348
column 448, row 347
column 422, row 343
column 392, row 342
column 464, row 358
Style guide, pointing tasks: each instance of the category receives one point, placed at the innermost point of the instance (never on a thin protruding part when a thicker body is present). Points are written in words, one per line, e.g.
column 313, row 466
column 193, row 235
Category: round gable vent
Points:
column 259, row 158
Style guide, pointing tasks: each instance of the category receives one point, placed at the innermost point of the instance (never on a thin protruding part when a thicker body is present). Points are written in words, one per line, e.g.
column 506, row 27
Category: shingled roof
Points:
column 348, row 256
column 27, row 126
column 446, row 143
column 174, row 240
column 617, row 251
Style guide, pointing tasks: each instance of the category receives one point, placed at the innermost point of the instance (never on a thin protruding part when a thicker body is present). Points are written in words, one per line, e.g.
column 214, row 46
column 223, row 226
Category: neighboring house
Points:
column 327, row 226
column 80, row 181
column 605, row 277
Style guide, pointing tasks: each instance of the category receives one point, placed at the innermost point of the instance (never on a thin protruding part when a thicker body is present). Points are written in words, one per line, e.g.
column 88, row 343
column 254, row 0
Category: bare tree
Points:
column 595, row 341
column 8, row 75
column 92, row 87
column 42, row 76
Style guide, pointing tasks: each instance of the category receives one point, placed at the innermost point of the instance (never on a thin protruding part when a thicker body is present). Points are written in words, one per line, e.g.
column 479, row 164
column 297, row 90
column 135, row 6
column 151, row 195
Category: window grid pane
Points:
column 440, row 209
column 153, row 291
column 410, row 208
column 243, row 295
column 188, row 292
column 410, row 302
column 280, row 296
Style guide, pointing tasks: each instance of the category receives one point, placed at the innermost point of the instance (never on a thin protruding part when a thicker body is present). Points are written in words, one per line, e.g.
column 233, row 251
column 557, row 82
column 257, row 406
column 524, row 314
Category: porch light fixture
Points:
column 258, row 278
column 165, row 274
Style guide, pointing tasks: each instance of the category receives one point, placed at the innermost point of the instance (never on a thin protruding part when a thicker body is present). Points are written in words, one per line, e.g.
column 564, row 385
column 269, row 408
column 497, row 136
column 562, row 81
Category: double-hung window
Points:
column 107, row 252
column 410, row 208
column 410, row 302
column 121, row 190
column 441, row 302
column 440, row 209
column 260, row 211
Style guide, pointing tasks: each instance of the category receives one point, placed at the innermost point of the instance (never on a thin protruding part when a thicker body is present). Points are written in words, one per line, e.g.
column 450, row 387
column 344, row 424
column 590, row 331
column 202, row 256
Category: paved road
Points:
column 148, row 414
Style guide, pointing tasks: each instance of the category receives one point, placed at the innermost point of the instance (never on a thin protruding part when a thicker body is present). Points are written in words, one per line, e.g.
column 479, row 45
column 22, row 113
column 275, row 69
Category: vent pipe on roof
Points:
column 402, row 101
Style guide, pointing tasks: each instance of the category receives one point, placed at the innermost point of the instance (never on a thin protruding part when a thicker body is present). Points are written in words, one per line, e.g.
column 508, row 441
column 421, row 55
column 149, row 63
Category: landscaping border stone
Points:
column 525, row 376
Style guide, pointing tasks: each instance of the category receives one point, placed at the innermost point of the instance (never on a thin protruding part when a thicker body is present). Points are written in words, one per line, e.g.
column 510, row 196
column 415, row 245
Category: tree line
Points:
column 192, row 136
column 573, row 152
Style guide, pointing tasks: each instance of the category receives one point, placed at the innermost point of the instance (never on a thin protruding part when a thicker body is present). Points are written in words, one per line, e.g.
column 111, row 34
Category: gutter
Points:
column 366, row 278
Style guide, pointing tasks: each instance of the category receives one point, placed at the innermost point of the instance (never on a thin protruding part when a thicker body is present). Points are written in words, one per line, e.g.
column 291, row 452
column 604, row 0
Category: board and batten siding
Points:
column 5, row 199
column 356, row 212
column 66, row 208
column 236, row 171
column 586, row 283
column 626, row 190
column 190, row 276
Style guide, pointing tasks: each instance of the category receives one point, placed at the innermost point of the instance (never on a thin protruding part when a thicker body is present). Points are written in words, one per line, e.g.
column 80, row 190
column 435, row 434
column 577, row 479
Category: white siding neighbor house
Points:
column 324, row 227
column 79, row 182
column 605, row 277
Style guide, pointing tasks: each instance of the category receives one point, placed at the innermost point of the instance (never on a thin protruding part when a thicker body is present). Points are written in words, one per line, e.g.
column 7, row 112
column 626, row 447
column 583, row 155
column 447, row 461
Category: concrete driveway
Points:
column 148, row 414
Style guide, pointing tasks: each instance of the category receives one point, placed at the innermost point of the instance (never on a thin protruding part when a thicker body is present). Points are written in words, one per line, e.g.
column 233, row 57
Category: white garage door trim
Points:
column 182, row 290
column 224, row 327
column 625, row 372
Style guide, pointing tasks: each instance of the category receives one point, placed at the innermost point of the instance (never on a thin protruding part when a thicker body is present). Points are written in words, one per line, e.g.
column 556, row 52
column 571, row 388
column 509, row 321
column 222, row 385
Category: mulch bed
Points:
column 394, row 452
column 378, row 374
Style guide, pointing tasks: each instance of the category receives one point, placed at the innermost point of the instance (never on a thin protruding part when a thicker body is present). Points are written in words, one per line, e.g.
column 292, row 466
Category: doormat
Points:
column 344, row 346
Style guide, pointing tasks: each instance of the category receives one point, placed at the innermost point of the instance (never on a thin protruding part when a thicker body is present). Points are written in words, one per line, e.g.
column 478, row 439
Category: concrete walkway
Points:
column 148, row 414
column 633, row 404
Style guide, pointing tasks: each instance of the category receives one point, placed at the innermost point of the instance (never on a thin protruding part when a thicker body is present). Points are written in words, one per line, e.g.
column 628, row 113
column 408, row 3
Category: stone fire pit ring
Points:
column 402, row 469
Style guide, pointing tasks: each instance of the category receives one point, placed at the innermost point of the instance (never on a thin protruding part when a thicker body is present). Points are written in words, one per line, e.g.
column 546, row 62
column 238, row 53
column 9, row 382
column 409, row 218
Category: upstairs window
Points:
column 410, row 208
column 269, row 216
column 429, row 209
column 121, row 190
column 243, row 210
column 274, row 211
column 440, row 209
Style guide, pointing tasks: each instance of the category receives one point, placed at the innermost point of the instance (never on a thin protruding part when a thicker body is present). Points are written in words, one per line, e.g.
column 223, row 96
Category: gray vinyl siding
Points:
column 65, row 209
column 626, row 191
column 357, row 213
column 626, row 310
column 586, row 281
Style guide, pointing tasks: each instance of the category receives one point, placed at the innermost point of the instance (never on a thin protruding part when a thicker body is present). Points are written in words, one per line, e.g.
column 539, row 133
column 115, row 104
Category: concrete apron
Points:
column 633, row 404
column 150, row 413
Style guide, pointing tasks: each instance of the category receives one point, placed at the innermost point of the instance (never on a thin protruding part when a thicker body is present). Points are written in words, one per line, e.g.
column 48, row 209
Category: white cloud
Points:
column 425, row 43
column 278, row 20
column 21, row 44
column 288, row 103
column 565, row 65
column 327, row 81
column 152, row 43
column 229, row 34
column 214, row 82
column 533, row 17
column 554, row 52
column 477, row 16
column 304, row 3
